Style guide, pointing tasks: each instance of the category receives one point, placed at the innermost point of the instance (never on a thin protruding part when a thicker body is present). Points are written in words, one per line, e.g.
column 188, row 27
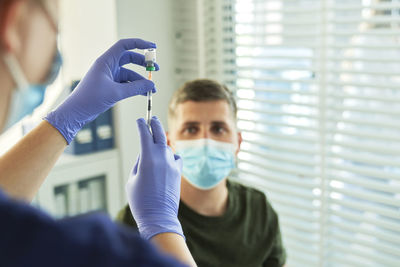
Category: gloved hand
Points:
column 106, row 83
column 153, row 189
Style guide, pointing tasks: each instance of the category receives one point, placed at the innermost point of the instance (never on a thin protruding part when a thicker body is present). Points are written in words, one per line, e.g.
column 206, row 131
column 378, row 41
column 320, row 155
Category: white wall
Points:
column 85, row 36
column 153, row 21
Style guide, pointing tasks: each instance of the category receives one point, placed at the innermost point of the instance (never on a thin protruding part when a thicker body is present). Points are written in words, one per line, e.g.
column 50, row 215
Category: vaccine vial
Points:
column 150, row 59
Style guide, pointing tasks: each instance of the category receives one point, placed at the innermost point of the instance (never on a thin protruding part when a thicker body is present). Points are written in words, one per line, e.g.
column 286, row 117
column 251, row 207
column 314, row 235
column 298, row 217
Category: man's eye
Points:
column 191, row 130
column 218, row 130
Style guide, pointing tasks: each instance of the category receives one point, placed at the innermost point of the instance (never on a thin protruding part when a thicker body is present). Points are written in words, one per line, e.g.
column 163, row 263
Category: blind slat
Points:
column 385, row 224
column 367, row 244
column 389, row 237
column 270, row 89
column 267, row 185
column 367, row 171
column 367, row 135
column 270, row 123
column 277, row 102
column 289, row 137
column 370, row 159
column 367, row 147
column 281, row 147
column 366, row 59
column 364, row 257
column 366, row 196
column 309, row 115
column 289, row 159
column 382, row 98
column 342, row 108
column 371, row 72
column 390, row 124
column 384, row 187
column 295, row 171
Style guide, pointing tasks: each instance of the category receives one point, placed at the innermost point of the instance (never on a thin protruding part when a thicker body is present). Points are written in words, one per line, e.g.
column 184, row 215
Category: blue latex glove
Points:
column 106, row 83
column 153, row 189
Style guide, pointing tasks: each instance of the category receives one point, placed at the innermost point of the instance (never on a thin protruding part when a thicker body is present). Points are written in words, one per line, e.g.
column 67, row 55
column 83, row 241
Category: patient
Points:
column 225, row 223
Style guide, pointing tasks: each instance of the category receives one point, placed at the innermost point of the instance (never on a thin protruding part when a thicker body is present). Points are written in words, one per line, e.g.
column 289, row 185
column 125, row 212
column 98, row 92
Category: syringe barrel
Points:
column 149, row 106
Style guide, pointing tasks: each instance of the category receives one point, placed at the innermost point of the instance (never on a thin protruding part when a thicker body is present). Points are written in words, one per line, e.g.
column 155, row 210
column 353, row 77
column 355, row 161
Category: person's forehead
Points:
column 205, row 111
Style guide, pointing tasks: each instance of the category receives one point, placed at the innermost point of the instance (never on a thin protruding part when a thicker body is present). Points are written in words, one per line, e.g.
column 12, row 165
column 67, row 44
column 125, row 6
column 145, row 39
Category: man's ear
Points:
column 240, row 139
column 169, row 141
column 10, row 22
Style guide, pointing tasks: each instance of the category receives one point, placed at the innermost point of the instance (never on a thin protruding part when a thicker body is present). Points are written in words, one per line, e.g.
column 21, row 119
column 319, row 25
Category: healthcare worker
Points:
column 28, row 237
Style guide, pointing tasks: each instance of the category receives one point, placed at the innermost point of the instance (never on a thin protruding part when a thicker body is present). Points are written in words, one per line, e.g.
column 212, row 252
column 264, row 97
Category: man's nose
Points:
column 205, row 133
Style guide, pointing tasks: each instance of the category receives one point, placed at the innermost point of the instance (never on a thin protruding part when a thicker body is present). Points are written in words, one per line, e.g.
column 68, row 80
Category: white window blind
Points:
column 203, row 45
column 186, row 40
column 318, row 90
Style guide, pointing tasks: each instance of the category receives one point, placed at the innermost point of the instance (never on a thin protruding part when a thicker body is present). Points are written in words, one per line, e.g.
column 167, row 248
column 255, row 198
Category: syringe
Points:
column 150, row 59
column 149, row 99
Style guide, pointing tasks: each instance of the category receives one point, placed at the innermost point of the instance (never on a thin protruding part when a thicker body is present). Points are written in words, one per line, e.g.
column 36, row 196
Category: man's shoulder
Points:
column 247, row 191
column 255, row 199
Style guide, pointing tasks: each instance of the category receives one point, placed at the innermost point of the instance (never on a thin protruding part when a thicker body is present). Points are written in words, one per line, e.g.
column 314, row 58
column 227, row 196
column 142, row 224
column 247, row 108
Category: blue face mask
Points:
column 26, row 97
column 206, row 162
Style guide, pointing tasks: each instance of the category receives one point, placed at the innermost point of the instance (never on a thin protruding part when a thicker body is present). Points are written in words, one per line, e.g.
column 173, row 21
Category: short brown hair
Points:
column 201, row 90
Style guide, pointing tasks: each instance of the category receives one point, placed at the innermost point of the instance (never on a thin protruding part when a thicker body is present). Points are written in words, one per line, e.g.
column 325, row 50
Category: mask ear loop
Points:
column 16, row 71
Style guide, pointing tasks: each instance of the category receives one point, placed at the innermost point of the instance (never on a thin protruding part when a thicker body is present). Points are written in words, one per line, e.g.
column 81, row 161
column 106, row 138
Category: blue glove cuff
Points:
column 63, row 125
column 147, row 231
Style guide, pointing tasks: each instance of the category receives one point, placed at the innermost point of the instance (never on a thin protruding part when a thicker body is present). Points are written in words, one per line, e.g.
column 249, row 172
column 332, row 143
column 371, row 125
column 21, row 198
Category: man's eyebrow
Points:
column 219, row 123
column 189, row 123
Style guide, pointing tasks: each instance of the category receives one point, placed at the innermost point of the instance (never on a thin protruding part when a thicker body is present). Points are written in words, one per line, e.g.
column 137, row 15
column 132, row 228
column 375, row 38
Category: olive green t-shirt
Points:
column 246, row 235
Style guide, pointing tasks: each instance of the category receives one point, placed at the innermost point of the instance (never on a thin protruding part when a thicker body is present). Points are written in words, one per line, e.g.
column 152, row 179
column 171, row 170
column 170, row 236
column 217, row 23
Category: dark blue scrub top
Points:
column 29, row 237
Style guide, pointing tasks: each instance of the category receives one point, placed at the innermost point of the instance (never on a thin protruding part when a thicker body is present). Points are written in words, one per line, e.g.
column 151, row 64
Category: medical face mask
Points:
column 206, row 162
column 26, row 97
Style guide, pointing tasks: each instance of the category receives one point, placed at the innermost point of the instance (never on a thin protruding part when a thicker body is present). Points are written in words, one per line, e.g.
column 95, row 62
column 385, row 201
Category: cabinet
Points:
column 80, row 184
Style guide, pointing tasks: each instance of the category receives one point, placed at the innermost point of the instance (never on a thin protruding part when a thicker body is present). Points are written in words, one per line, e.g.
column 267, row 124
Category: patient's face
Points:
column 211, row 119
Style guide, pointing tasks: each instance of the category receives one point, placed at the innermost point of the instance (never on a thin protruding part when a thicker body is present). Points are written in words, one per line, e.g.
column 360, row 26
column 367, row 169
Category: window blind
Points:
column 362, row 132
column 276, row 50
column 318, row 91
column 203, row 37
column 187, row 42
